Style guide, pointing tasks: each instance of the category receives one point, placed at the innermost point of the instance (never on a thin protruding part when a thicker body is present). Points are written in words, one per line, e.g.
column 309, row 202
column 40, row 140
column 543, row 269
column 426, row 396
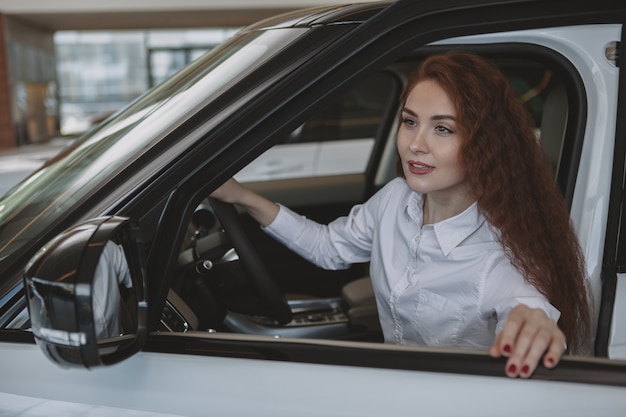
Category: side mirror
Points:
column 86, row 294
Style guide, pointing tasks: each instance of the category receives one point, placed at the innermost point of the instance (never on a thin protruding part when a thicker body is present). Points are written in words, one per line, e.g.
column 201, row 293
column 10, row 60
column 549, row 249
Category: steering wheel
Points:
column 270, row 294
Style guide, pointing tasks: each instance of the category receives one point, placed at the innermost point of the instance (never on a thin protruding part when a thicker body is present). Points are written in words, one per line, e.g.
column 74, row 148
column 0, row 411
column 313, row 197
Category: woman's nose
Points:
column 418, row 144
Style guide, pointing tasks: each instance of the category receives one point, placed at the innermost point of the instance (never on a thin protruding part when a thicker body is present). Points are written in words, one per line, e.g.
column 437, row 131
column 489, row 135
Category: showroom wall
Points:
column 28, row 87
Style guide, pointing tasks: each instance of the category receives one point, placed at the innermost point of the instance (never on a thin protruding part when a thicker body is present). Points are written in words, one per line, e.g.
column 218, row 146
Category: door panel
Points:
column 198, row 385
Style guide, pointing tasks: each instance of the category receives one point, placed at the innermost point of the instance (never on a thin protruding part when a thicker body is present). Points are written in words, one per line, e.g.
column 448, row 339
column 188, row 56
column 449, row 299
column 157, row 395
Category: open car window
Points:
column 349, row 145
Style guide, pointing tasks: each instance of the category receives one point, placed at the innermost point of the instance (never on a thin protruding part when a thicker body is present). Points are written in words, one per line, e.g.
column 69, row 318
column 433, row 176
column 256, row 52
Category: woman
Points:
column 472, row 246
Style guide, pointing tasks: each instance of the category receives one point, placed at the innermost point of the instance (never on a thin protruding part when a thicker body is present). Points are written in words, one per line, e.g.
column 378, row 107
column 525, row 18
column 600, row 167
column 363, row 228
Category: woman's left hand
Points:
column 528, row 334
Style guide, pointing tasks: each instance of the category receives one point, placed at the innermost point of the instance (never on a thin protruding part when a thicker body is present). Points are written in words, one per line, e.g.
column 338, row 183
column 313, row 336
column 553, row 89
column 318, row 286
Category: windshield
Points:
column 45, row 198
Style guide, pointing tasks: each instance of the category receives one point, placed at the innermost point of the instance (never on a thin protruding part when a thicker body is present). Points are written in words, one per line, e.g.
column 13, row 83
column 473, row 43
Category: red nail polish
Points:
column 550, row 361
column 525, row 369
column 507, row 348
column 512, row 368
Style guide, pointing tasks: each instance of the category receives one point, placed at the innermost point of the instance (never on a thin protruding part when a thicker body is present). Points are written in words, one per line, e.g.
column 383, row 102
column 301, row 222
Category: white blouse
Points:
column 444, row 284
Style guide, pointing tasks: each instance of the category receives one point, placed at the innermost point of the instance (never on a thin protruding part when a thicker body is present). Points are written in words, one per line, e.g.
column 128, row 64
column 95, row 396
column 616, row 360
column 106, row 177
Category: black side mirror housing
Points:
column 86, row 293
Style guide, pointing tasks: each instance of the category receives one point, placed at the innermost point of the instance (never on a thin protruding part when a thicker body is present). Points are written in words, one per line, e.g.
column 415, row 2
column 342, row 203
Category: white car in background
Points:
column 220, row 319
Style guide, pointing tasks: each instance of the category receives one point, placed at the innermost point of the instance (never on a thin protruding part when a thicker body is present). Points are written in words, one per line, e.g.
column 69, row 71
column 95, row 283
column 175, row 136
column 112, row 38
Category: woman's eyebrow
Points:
column 435, row 117
column 444, row 117
column 409, row 111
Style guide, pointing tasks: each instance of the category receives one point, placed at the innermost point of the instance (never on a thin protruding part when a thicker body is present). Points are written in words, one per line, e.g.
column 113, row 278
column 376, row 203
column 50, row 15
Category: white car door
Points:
column 155, row 384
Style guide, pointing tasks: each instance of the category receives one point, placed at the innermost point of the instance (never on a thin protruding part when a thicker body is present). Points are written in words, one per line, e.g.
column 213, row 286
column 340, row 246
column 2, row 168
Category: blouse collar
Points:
column 450, row 232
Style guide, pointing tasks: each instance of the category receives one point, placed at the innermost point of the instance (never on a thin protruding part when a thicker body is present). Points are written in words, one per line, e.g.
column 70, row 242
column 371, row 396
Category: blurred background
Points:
column 68, row 64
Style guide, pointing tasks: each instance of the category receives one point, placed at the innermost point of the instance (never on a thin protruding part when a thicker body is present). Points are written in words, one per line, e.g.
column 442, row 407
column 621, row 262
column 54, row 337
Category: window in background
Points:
column 101, row 72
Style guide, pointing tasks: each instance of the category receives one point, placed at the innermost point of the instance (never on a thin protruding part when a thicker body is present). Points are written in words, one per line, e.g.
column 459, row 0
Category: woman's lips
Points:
column 419, row 168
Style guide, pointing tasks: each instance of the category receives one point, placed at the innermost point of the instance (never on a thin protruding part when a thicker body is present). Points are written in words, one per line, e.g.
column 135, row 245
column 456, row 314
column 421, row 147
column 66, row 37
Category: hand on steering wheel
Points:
column 270, row 294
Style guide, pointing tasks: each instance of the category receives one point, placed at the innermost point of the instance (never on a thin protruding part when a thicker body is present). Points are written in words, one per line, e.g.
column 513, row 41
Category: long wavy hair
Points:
column 513, row 184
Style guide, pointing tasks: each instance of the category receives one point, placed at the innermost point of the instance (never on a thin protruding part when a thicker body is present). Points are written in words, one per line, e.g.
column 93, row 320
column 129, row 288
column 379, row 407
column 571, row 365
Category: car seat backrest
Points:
column 553, row 125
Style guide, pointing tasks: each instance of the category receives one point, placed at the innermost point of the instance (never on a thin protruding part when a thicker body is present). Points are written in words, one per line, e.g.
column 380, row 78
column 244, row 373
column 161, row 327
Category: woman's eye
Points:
column 409, row 122
column 443, row 130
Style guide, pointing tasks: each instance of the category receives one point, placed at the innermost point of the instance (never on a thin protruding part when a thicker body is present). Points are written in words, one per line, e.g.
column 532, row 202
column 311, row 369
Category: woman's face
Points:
column 429, row 145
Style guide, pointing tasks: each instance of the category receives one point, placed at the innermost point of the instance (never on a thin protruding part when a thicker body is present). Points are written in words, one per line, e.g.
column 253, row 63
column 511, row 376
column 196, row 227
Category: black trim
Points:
column 367, row 355
column 382, row 135
column 382, row 356
column 614, row 258
column 16, row 336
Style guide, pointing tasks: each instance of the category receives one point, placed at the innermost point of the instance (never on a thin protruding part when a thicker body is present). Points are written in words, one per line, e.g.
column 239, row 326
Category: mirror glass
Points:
column 86, row 293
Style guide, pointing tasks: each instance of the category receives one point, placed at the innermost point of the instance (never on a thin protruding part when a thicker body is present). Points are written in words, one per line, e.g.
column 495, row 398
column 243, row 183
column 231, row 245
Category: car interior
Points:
column 232, row 277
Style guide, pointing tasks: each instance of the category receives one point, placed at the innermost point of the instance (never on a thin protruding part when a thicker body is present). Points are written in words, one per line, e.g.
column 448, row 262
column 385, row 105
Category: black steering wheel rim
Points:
column 277, row 305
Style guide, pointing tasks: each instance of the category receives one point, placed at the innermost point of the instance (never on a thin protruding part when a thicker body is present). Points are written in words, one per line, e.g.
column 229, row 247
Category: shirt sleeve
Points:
column 316, row 242
column 505, row 288
column 344, row 241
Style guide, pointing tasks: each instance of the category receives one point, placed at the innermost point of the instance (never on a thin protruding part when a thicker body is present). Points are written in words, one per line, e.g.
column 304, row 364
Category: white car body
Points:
column 144, row 384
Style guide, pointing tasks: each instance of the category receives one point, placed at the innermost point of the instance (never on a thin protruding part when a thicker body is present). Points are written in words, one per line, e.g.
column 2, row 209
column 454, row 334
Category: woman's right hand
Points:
column 229, row 192
column 260, row 208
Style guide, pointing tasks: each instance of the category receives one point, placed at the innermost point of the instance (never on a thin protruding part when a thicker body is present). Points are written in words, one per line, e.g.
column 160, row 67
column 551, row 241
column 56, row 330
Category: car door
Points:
column 578, row 46
column 575, row 43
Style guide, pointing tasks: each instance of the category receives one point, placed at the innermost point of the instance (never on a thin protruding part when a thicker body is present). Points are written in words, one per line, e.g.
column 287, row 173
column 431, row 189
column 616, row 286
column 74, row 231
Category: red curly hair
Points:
column 513, row 184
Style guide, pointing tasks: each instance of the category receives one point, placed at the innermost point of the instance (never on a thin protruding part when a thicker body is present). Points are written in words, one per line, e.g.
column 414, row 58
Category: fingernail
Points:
column 512, row 368
column 507, row 348
column 550, row 361
column 525, row 369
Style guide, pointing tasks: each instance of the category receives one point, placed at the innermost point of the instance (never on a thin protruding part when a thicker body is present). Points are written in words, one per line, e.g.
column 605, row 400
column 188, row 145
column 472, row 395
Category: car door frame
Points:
column 335, row 79
column 611, row 332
